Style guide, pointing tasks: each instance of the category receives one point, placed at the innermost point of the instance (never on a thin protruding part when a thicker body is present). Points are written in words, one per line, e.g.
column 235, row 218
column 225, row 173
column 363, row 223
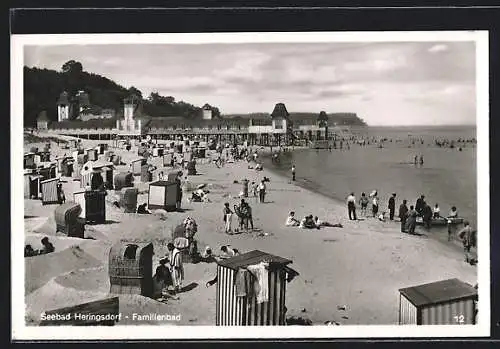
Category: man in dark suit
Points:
column 392, row 206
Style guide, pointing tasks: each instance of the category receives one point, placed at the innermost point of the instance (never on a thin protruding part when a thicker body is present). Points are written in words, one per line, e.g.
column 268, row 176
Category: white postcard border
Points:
column 22, row 332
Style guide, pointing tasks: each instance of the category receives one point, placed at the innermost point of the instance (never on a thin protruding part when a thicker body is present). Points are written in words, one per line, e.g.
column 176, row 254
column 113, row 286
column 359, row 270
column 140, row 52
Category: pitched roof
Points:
column 322, row 116
column 439, row 292
column 43, row 116
column 279, row 111
column 252, row 258
column 63, row 98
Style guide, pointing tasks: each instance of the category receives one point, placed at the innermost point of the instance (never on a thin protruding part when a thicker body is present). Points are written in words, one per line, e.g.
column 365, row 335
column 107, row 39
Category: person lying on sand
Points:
column 228, row 252
column 308, row 223
column 291, row 221
column 319, row 223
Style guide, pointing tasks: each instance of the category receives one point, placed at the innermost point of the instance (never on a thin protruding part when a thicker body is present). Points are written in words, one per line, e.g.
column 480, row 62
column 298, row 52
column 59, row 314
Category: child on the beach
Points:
column 363, row 201
column 227, row 217
column 291, row 221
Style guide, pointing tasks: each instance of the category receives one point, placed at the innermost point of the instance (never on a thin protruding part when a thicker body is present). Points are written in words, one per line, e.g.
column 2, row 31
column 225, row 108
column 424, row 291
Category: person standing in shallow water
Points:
column 392, row 206
column 293, row 172
column 351, row 206
column 403, row 211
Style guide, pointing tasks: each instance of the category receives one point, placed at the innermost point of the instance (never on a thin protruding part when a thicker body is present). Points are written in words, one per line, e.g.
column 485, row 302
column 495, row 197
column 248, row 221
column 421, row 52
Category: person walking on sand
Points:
column 411, row 220
column 375, row 205
column 176, row 267
column 427, row 216
column 452, row 225
column 262, row 191
column 392, row 206
column 363, row 201
column 293, row 172
column 420, row 204
column 468, row 237
column 403, row 211
column 227, row 217
column 351, row 206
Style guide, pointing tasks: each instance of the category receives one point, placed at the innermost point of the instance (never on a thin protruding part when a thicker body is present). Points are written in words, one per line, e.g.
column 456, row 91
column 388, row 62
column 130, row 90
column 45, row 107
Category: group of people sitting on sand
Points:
column 308, row 222
column 47, row 248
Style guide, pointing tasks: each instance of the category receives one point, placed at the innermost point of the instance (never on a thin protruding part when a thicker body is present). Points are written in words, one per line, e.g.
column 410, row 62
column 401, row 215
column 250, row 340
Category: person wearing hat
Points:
column 392, row 206
column 162, row 278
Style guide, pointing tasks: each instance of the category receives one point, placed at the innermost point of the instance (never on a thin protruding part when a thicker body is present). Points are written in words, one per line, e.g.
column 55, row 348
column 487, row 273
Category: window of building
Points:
column 219, row 126
column 278, row 124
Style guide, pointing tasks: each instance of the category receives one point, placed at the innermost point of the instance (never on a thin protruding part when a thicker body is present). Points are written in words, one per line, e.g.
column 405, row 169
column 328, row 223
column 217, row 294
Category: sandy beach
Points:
column 361, row 265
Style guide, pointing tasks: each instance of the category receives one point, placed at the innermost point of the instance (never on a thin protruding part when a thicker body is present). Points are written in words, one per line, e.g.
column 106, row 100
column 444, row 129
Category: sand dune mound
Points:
column 92, row 279
column 33, row 223
column 54, row 296
column 60, row 242
column 40, row 269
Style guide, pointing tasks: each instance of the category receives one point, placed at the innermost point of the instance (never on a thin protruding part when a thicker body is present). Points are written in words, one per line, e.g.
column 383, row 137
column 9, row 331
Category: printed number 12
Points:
column 459, row 319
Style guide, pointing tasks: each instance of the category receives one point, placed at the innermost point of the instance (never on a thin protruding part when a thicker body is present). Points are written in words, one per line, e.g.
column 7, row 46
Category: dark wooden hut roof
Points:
column 251, row 258
column 280, row 111
column 439, row 292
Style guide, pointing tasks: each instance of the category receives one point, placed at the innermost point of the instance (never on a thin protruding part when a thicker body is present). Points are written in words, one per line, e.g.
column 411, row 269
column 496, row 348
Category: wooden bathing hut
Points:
column 167, row 159
column 123, row 180
column 136, row 165
column 31, row 184
column 447, row 302
column 239, row 306
column 158, row 152
column 131, row 268
column 163, row 195
column 93, row 205
column 91, row 154
column 29, row 160
column 49, row 191
column 128, row 199
column 68, row 221
column 35, row 190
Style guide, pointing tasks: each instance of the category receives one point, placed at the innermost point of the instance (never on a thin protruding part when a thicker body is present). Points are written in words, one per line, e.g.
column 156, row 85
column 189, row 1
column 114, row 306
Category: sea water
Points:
column 447, row 177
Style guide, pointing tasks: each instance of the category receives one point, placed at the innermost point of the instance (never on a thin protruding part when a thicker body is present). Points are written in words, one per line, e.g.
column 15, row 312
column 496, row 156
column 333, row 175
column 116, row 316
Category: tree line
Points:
column 42, row 88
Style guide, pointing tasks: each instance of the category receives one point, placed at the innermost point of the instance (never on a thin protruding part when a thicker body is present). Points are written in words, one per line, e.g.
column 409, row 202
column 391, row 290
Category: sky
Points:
column 400, row 83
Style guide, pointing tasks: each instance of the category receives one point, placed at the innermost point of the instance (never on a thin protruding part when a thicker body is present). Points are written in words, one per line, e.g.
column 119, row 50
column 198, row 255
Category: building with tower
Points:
column 63, row 107
column 207, row 112
column 42, row 121
column 134, row 120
